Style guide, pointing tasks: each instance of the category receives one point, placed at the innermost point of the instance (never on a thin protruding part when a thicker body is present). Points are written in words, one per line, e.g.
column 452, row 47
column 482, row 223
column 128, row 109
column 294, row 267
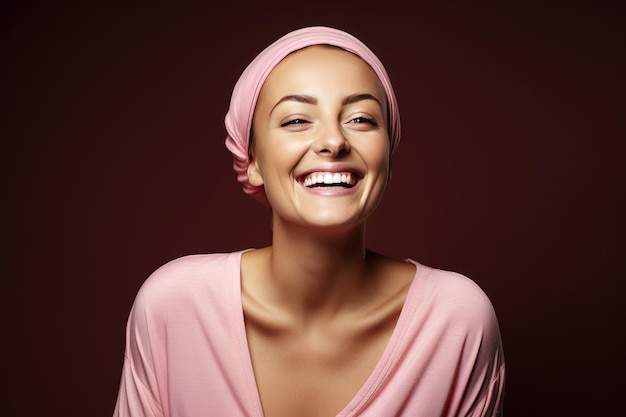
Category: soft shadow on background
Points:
column 510, row 170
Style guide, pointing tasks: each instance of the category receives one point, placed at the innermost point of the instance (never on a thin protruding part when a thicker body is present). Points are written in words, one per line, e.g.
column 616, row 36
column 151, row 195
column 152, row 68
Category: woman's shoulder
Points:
column 454, row 285
column 196, row 265
column 454, row 296
column 190, row 275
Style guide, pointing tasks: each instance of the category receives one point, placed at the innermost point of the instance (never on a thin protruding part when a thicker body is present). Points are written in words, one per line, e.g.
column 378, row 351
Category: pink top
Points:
column 187, row 354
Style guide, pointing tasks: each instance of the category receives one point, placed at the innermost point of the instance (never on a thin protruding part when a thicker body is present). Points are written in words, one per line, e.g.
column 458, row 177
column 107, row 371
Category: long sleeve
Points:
column 491, row 405
column 138, row 394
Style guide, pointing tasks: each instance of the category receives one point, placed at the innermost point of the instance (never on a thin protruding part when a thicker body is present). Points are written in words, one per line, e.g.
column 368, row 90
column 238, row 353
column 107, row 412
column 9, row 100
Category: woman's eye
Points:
column 293, row 122
column 361, row 120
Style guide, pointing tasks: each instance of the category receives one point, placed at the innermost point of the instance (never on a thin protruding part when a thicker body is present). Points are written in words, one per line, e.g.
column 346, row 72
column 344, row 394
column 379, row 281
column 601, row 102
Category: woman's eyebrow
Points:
column 353, row 98
column 301, row 98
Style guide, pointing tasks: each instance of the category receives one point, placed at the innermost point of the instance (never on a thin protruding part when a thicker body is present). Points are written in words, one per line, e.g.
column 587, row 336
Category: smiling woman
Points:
column 320, row 115
column 315, row 324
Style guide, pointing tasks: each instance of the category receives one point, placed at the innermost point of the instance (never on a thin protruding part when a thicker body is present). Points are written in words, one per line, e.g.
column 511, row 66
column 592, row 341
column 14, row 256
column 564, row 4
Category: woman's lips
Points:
column 329, row 179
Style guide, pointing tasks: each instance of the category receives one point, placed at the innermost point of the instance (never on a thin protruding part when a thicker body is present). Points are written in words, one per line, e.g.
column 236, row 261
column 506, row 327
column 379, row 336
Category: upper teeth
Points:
column 328, row 178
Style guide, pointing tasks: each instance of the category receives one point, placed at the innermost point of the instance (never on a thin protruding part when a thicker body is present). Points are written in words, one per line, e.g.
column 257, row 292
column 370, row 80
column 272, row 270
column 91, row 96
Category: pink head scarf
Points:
column 238, row 120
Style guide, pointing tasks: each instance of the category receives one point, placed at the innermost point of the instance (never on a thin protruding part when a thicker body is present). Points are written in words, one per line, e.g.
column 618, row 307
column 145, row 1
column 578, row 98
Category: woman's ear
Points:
column 254, row 174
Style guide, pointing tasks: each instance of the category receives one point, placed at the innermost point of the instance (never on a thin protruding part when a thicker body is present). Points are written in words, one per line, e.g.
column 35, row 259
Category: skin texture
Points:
column 319, row 307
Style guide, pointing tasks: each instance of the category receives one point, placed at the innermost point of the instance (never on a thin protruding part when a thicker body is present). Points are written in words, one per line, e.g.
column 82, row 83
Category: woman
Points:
column 315, row 324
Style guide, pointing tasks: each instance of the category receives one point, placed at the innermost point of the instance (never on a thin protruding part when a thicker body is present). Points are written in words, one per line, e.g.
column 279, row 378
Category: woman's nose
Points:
column 332, row 142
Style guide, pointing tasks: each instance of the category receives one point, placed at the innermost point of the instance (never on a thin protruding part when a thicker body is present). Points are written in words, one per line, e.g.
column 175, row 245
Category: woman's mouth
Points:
column 329, row 179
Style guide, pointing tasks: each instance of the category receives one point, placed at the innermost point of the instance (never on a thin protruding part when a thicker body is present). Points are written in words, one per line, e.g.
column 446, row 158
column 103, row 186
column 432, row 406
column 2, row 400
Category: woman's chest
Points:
column 315, row 373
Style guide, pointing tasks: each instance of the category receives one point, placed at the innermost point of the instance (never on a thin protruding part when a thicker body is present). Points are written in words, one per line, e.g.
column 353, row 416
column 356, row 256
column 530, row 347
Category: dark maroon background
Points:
column 510, row 170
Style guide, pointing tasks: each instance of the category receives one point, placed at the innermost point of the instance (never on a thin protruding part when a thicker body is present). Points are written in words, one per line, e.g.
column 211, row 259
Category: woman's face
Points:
column 321, row 143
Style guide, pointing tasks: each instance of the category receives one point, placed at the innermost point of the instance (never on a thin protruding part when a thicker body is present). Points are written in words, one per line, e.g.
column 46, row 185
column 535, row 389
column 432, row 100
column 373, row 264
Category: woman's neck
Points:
column 316, row 273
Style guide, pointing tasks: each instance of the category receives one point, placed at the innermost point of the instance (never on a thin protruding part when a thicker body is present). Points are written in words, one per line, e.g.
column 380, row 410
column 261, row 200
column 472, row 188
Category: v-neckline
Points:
column 373, row 381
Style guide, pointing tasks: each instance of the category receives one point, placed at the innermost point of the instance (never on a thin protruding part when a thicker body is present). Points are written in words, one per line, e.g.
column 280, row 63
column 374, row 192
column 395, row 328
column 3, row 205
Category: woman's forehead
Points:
column 319, row 67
